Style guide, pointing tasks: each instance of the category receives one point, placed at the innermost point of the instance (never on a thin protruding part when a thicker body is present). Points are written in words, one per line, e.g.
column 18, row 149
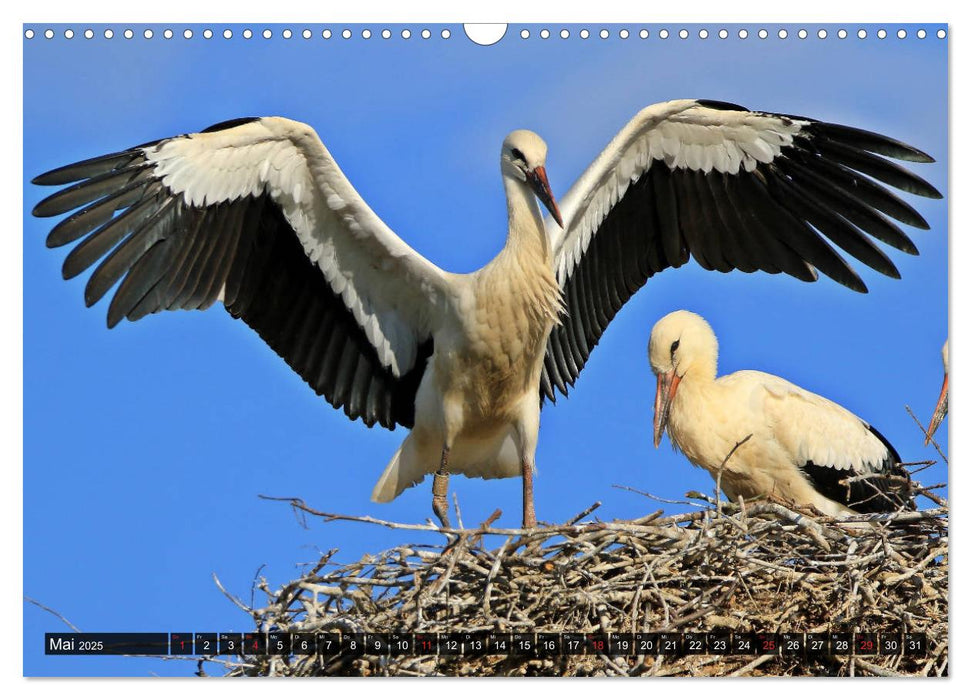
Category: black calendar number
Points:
column 548, row 644
column 523, row 644
column 889, row 646
column 645, row 643
column 303, row 644
column 915, row 643
column 792, row 644
column 693, row 643
column 816, row 644
column 328, row 643
column 500, row 643
column 719, row 642
column 621, row 644
column 450, row 644
column 840, row 643
column 207, row 643
column 230, row 643
column 376, row 644
column 743, row 644
column 474, row 644
column 574, row 644
column 352, row 644
column 400, row 644
column 278, row 644
column 669, row 644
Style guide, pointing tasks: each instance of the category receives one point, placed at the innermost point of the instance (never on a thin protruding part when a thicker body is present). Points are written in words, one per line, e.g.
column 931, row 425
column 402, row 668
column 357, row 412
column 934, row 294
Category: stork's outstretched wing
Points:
column 735, row 189
column 255, row 213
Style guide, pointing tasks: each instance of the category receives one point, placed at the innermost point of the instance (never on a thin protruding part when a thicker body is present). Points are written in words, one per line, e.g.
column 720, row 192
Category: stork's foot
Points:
column 440, row 508
column 807, row 509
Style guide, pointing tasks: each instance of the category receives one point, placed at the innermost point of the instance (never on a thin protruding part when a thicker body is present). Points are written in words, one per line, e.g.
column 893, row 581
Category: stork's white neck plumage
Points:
column 527, row 232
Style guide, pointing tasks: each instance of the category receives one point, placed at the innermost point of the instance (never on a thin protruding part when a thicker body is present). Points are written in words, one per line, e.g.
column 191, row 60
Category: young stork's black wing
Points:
column 735, row 189
column 255, row 213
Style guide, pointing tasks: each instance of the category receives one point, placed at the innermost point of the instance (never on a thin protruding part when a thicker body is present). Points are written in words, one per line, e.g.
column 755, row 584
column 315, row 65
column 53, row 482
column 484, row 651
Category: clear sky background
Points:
column 145, row 447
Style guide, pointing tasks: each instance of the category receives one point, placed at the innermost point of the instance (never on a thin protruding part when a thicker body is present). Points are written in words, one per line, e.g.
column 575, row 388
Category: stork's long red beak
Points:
column 541, row 186
column 667, row 387
column 940, row 410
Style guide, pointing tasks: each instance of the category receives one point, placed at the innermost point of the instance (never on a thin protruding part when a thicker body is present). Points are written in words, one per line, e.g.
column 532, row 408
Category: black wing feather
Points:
column 726, row 220
column 887, row 490
column 171, row 255
column 859, row 188
column 824, row 186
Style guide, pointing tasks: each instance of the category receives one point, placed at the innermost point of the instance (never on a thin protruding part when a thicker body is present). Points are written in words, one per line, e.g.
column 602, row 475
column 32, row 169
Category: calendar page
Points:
column 545, row 349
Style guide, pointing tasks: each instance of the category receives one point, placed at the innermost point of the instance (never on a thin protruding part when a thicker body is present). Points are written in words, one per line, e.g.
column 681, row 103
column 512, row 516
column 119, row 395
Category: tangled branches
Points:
column 755, row 568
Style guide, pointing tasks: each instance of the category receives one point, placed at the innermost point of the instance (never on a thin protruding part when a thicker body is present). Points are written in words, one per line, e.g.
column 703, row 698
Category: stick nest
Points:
column 756, row 568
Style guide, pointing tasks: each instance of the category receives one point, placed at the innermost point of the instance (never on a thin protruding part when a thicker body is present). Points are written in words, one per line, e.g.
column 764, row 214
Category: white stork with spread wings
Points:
column 255, row 213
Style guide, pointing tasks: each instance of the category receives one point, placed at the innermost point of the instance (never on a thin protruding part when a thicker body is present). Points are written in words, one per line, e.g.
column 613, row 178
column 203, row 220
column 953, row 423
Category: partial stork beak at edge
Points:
column 541, row 187
column 667, row 387
column 940, row 410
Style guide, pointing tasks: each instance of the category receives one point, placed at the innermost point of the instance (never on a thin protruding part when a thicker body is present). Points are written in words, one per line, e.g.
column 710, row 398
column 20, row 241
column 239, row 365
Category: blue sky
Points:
column 145, row 447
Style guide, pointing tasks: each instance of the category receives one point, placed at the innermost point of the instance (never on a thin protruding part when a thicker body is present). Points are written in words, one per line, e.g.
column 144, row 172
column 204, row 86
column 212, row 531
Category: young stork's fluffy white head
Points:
column 681, row 343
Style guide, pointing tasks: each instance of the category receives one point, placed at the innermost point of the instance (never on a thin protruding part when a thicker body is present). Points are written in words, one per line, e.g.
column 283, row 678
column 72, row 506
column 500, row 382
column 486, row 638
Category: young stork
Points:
column 940, row 410
column 256, row 214
column 801, row 448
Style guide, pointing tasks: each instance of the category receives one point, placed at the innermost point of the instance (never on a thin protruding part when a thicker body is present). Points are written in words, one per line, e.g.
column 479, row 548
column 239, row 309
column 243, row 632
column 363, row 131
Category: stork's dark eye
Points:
column 517, row 154
column 674, row 346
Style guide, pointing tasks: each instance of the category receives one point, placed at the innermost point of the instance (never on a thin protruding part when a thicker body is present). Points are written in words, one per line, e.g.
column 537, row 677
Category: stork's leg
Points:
column 529, row 510
column 440, row 491
column 527, row 434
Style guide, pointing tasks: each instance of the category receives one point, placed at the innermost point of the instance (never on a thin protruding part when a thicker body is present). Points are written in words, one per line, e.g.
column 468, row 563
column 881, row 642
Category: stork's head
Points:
column 524, row 158
column 682, row 344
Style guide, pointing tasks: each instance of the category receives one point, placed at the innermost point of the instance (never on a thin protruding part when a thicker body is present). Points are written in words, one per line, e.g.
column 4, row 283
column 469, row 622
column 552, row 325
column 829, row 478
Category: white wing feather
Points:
column 835, row 437
column 682, row 134
column 388, row 287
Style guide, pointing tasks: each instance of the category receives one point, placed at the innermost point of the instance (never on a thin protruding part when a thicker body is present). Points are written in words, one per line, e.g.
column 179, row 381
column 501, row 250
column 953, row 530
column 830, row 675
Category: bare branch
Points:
column 52, row 612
